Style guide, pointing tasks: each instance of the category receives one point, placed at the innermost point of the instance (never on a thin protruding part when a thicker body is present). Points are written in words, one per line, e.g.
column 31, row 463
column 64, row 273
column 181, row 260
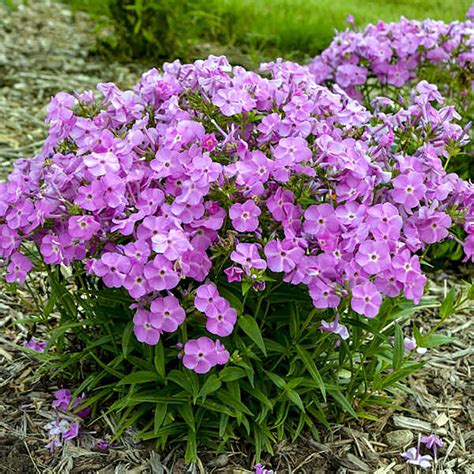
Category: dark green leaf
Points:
column 126, row 338
column 295, row 399
column 398, row 348
column 229, row 374
column 142, row 376
column 160, row 414
column 311, row 368
column 342, row 401
column 250, row 327
column 447, row 307
column 229, row 399
column 212, row 384
column 159, row 359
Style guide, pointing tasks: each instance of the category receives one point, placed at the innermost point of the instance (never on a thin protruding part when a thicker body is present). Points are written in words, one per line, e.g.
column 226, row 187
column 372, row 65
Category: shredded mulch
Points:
column 44, row 49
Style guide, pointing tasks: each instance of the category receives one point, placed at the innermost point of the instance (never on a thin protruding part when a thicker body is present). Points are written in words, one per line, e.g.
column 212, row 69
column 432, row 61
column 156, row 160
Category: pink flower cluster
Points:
column 65, row 425
column 207, row 171
column 394, row 53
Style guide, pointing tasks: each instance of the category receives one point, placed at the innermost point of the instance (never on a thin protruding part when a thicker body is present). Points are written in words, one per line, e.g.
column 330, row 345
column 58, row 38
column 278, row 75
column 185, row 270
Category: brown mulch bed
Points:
column 44, row 49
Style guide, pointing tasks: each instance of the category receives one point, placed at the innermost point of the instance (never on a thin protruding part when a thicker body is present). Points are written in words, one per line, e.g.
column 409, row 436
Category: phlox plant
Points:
column 227, row 255
column 388, row 58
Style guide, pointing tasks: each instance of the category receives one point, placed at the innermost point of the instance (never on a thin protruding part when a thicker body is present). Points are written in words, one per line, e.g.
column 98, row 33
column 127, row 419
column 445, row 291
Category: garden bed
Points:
column 43, row 50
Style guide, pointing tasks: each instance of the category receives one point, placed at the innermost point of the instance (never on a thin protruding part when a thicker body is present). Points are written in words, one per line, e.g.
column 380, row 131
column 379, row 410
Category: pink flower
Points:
column 209, row 142
column 100, row 164
column 245, row 216
column 432, row 225
column 247, row 255
column 35, row 345
column 373, row 257
column 82, row 227
column 62, row 399
column 138, row 250
column 350, row 75
column 405, row 266
column 282, row 256
column 408, row 190
column 18, row 268
column 432, row 442
column 71, row 432
column 292, row 150
column 260, row 469
column 135, row 281
column 207, row 299
column 335, row 327
column 323, row 295
column 413, row 456
column 167, row 314
column 223, row 323
column 112, row 268
column 202, row 354
column 366, row 300
column 234, row 273
column 160, row 274
column 320, row 219
column 171, row 245
column 146, row 327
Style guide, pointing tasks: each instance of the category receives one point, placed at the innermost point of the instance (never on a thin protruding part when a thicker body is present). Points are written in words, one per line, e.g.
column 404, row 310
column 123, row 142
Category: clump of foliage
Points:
column 230, row 255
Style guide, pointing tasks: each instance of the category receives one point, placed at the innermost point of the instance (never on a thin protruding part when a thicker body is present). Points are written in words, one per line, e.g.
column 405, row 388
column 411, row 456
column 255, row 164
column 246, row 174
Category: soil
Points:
column 45, row 48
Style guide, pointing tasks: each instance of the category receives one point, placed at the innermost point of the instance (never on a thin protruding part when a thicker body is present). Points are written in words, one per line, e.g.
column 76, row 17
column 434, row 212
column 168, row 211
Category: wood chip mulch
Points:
column 44, row 49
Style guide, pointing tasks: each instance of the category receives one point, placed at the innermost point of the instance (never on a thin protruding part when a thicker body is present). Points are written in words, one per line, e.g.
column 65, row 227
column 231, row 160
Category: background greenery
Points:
column 248, row 31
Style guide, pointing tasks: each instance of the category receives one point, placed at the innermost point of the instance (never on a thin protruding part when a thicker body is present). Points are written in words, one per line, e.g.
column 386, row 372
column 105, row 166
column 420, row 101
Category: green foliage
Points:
column 285, row 375
column 247, row 31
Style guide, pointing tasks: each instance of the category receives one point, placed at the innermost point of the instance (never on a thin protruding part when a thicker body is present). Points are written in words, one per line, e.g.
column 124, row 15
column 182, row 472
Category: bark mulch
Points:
column 44, row 49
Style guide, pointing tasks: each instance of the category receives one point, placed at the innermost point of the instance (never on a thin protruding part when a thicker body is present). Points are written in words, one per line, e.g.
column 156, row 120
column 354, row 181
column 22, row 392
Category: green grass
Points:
column 294, row 29
column 307, row 26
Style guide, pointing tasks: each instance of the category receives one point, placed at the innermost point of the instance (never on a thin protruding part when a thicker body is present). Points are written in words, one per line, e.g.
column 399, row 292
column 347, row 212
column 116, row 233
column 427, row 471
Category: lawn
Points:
column 265, row 29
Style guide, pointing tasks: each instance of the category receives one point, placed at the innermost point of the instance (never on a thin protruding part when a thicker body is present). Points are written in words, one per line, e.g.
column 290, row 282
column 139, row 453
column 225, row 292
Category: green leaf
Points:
column 295, row 399
column 447, row 307
column 229, row 374
column 417, row 335
column 312, row 369
column 182, row 380
column 250, row 327
column 191, row 447
column 126, row 338
column 294, row 321
column 142, row 376
column 276, row 379
column 160, row 414
column 223, row 423
column 246, row 285
column 398, row 348
column 212, row 384
column 434, row 340
column 228, row 399
column 159, row 359
column 186, row 412
column 470, row 292
column 342, row 401
column 258, row 394
column 399, row 374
